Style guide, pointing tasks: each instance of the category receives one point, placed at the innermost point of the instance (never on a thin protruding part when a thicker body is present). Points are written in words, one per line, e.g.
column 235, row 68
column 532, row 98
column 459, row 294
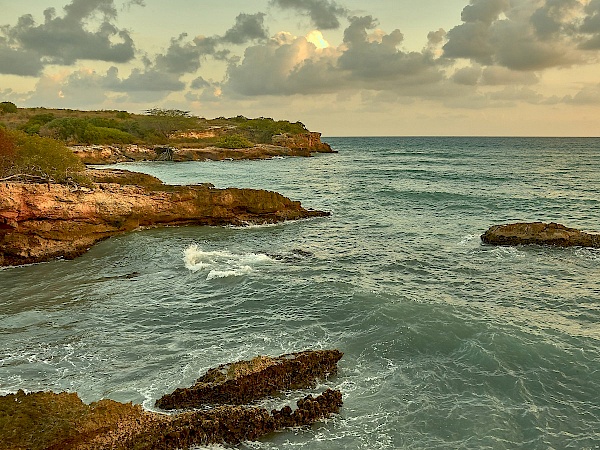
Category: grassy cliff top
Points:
column 154, row 127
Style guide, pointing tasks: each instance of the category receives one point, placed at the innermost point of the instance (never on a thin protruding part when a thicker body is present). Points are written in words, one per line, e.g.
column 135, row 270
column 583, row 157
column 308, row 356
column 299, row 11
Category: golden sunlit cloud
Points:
column 316, row 37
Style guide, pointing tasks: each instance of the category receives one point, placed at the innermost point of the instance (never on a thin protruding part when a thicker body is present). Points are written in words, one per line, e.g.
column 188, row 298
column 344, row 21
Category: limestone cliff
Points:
column 283, row 145
column 310, row 141
column 39, row 222
column 539, row 233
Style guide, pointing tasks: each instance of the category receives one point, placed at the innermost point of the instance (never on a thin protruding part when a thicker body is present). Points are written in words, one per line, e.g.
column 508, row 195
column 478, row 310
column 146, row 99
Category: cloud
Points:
column 376, row 58
column 16, row 62
column 184, row 57
column 247, row 27
column 367, row 59
column 525, row 35
column 589, row 95
column 591, row 26
column 324, row 14
column 68, row 38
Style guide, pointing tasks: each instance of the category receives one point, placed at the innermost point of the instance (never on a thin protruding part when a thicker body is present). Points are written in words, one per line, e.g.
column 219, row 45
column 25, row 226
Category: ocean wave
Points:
column 221, row 263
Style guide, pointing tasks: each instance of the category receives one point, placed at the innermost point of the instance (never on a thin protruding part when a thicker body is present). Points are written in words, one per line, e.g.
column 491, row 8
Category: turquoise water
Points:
column 448, row 343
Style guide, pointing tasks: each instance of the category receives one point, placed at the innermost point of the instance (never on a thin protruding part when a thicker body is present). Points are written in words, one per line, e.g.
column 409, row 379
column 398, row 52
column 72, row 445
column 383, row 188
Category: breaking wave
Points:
column 221, row 263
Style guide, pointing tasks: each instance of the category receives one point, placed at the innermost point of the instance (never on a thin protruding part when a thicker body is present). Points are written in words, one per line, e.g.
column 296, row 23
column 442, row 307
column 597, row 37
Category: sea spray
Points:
column 221, row 263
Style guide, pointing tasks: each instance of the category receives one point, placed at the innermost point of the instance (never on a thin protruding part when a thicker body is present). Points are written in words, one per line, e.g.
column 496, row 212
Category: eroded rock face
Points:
column 310, row 141
column 246, row 381
column 539, row 233
column 39, row 222
column 283, row 145
column 45, row 420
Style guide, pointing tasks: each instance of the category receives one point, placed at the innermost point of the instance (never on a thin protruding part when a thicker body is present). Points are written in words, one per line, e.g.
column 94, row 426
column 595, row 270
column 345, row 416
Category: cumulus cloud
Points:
column 368, row 59
column 589, row 95
column 525, row 35
column 591, row 26
column 324, row 14
column 71, row 37
column 16, row 62
column 247, row 27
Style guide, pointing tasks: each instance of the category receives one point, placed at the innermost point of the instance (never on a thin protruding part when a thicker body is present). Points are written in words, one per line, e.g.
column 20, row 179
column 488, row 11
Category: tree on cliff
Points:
column 8, row 108
column 31, row 158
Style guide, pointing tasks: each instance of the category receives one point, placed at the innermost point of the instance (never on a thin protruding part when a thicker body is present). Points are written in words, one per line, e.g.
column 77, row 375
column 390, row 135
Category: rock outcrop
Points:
column 283, row 145
column 45, row 420
column 310, row 141
column 112, row 154
column 39, row 222
column 246, row 381
column 49, row 421
column 540, row 233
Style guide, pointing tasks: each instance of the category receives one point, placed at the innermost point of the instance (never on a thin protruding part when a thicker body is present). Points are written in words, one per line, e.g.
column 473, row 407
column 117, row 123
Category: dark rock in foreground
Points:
column 40, row 222
column 247, row 381
column 539, row 233
column 45, row 420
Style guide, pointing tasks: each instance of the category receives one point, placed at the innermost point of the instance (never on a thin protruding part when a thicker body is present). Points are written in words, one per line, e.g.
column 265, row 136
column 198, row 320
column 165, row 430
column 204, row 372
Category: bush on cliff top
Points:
column 234, row 141
column 38, row 158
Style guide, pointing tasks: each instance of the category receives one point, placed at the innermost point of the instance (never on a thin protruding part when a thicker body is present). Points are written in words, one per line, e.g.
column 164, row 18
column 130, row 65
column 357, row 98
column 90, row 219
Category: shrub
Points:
column 105, row 135
column 7, row 152
column 35, row 156
column 234, row 141
column 33, row 125
column 8, row 108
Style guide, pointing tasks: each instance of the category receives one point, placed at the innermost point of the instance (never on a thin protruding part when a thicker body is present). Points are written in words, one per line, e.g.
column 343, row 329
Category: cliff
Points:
column 310, row 141
column 283, row 145
column 39, row 222
column 111, row 154
column 539, row 233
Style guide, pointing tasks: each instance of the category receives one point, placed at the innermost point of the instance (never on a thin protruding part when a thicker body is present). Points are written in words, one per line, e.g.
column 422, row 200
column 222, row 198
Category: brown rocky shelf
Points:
column 539, row 233
column 40, row 222
column 283, row 145
column 246, row 381
column 45, row 420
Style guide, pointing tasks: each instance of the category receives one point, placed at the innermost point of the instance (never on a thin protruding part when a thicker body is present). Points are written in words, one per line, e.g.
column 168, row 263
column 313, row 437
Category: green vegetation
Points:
column 8, row 108
column 156, row 126
column 233, row 141
column 34, row 157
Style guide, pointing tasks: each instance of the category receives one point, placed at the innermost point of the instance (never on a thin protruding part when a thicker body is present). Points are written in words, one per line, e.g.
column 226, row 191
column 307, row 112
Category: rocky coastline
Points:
column 539, row 233
column 303, row 145
column 247, row 381
column 46, row 420
column 40, row 222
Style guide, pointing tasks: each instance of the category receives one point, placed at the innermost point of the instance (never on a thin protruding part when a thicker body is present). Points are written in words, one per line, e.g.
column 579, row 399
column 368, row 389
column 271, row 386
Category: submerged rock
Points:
column 539, row 233
column 45, row 420
column 247, row 381
column 39, row 222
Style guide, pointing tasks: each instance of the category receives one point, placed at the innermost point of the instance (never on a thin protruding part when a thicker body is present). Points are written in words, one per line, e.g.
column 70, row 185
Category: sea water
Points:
column 447, row 343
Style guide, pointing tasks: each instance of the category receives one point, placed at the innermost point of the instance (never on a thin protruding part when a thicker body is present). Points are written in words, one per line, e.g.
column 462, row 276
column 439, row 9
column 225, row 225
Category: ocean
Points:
column 448, row 343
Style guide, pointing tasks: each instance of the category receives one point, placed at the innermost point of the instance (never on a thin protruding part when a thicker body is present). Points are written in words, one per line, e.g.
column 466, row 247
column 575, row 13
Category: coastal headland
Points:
column 52, row 207
column 40, row 222
column 108, row 137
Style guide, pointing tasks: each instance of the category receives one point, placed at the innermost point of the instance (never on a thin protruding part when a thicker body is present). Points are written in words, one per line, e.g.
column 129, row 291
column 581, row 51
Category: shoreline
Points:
column 42, row 222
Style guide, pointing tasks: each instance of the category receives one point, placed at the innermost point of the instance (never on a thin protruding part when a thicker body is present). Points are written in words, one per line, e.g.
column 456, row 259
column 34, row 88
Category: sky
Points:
column 342, row 67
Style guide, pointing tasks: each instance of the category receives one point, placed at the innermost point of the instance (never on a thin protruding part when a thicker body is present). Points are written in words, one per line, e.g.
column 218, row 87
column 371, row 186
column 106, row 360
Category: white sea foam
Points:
column 221, row 263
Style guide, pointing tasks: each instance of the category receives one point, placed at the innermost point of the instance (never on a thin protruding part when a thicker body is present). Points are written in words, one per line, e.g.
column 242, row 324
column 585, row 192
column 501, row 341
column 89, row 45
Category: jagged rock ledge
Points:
column 40, row 222
column 539, row 233
column 246, row 381
column 45, row 420
column 283, row 146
